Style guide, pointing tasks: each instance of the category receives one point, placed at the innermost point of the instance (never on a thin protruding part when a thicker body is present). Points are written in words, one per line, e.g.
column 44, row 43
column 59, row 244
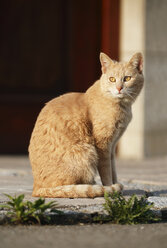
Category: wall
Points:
column 143, row 28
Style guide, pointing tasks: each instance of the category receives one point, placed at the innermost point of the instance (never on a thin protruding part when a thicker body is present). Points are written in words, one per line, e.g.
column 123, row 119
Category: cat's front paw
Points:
column 117, row 187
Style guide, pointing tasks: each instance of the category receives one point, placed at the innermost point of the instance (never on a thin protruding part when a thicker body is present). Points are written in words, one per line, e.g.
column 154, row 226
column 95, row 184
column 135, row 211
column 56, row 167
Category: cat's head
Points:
column 122, row 80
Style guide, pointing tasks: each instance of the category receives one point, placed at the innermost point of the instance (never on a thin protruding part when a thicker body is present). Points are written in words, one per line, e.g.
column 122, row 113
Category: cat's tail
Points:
column 77, row 191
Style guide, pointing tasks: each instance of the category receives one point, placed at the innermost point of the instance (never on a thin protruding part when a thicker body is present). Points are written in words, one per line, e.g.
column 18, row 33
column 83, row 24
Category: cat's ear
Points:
column 137, row 62
column 105, row 62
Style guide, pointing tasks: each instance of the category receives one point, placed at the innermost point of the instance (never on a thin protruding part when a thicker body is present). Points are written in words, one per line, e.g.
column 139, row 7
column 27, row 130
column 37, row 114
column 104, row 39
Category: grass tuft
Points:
column 127, row 211
column 27, row 212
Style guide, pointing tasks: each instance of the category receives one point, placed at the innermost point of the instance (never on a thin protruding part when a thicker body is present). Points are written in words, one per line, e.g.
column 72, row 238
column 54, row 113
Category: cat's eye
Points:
column 127, row 78
column 112, row 79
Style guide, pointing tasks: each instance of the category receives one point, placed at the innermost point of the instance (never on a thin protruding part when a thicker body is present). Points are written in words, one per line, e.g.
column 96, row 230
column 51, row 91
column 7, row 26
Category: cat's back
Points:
column 63, row 116
column 73, row 103
column 66, row 106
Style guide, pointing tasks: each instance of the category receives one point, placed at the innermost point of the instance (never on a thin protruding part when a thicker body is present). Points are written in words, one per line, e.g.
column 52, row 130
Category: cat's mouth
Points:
column 117, row 94
column 120, row 95
column 123, row 94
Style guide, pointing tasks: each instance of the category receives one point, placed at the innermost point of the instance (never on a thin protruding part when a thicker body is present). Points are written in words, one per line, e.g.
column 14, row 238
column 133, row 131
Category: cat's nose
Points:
column 119, row 88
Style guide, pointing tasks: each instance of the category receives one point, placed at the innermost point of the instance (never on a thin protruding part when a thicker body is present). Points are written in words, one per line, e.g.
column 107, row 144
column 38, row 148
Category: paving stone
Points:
column 159, row 202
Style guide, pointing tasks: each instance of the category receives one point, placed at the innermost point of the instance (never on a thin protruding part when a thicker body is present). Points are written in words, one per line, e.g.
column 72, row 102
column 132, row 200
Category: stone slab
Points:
column 159, row 202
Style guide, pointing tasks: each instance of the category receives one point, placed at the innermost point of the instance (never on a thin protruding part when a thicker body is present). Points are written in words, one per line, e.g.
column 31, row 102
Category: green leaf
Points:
column 5, row 206
column 27, row 212
column 19, row 199
column 9, row 196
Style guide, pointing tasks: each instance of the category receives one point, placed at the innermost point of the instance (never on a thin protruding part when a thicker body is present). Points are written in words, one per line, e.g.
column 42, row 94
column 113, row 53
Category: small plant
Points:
column 27, row 212
column 130, row 211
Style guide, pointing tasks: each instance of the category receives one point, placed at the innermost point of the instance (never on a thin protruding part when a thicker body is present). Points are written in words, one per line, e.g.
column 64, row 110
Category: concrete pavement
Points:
column 90, row 236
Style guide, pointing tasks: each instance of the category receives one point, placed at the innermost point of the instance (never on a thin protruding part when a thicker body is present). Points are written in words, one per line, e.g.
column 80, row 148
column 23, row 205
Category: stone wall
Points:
column 144, row 28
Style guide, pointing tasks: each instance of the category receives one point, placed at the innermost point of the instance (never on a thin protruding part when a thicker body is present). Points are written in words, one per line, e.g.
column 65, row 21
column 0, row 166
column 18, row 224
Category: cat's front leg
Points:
column 107, row 169
column 104, row 168
column 113, row 168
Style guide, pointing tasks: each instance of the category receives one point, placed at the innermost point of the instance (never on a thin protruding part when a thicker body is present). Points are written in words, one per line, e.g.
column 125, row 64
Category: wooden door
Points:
column 48, row 48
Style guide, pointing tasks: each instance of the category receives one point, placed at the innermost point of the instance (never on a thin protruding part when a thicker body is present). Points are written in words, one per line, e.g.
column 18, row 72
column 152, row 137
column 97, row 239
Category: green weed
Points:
column 27, row 212
column 127, row 211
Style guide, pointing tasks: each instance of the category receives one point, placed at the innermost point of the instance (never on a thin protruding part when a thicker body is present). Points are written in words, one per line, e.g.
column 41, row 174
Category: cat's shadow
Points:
column 130, row 192
column 160, row 193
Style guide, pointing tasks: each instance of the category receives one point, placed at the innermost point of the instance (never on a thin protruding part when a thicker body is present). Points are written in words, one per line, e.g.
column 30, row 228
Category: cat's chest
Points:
column 117, row 119
column 119, row 127
column 118, row 124
column 110, row 127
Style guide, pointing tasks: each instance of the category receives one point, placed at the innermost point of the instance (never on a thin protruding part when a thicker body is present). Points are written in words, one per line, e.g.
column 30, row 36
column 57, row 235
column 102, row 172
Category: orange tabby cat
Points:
column 75, row 134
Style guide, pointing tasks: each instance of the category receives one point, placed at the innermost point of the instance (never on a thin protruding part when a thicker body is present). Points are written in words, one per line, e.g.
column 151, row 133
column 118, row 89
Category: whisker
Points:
column 132, row 92
column 130, row 96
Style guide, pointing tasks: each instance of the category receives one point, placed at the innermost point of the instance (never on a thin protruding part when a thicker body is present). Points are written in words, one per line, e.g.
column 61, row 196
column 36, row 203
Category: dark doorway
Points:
column 48, row 48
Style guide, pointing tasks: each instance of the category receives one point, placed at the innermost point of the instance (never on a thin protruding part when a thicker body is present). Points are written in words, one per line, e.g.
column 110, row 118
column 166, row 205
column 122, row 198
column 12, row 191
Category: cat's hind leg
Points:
column 74, row 176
